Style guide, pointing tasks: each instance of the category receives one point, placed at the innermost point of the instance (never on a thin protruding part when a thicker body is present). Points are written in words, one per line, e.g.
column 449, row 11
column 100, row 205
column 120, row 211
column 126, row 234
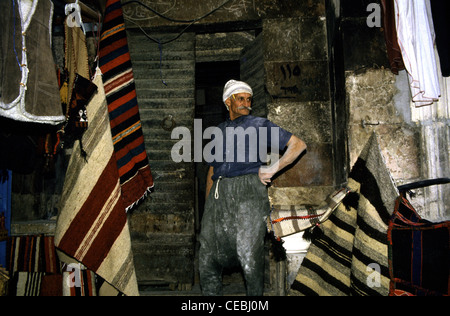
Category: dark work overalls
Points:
column 233, row 230
column 233, row 224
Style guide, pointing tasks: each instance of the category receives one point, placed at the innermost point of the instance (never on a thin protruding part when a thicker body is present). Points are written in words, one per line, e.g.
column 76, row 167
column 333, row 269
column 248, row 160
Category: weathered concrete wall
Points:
column 234, row 11
column 297, row 63
column 414, row 149
column 414, row 142
column 371, row 101
column 372, row 108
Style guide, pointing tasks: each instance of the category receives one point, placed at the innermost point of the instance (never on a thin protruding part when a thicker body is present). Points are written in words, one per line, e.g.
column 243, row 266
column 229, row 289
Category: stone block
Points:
column 234, row 11
column 315, row 168
column 371, row 98
column 310, row 121
column 299, row 195
column 282, row 39
column 300, row 81
column 143, row 225
column 40, row 227
column 279, row 9
column 398, row 144
column 295, row 39
column 313, row 39
column 364, row 47
column 168, row 258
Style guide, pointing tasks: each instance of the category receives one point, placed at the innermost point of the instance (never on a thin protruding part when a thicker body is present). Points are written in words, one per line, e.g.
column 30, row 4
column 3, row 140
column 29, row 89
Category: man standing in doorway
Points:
column 237, row 203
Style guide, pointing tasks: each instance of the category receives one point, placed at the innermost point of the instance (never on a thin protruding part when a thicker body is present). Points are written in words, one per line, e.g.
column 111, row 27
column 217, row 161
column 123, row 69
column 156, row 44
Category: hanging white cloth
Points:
column 415, row 32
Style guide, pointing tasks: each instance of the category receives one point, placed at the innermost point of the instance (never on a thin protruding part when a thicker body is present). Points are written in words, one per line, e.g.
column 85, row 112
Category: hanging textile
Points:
column 92, row 226
column 419, row 253
column 350, row 257
column 115, row 62
column 390, row 34
column 287, row 220
column 441, row 18
column 32, row 261
column 32, row 254
column 77, row 118
column 78, row 281
column 75, row 86
column 28, row 82
column 76, row 57
column 416, row 39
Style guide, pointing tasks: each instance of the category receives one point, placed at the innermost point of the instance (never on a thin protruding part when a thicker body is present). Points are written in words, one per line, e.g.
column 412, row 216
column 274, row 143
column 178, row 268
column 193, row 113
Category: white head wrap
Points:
column 235, row 87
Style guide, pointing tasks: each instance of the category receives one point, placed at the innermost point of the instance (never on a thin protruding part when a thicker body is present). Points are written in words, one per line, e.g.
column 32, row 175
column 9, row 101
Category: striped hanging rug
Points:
column 92, row 226
column 115, row 63
column 350, row 257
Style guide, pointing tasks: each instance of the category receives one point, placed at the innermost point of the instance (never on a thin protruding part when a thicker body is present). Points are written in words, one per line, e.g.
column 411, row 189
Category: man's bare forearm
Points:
column 295, row 147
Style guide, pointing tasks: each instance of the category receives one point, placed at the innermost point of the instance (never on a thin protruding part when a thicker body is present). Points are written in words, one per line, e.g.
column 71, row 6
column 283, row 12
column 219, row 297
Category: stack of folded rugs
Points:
column 4, row 280
column 33, row 266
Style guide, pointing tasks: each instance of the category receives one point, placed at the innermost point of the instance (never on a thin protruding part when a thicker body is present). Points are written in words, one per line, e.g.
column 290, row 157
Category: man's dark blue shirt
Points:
column 246, row 142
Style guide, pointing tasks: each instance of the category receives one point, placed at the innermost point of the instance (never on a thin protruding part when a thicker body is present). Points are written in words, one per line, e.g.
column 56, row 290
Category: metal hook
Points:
column 168, row 119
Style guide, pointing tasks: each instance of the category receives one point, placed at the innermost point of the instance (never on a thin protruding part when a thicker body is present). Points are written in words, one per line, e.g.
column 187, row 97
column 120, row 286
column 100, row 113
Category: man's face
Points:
column 239, row 104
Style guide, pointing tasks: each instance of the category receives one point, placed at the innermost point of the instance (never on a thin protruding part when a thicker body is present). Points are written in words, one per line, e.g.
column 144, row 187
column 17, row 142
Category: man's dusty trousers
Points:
column 233, row 231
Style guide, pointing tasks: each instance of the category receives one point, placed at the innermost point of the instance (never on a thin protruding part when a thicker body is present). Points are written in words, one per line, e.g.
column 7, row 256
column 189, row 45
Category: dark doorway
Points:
column 210, row 80
column 221, row 57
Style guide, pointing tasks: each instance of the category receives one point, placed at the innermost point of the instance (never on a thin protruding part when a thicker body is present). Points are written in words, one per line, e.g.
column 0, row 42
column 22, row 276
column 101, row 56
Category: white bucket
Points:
column 295, row 243
column 296, row 249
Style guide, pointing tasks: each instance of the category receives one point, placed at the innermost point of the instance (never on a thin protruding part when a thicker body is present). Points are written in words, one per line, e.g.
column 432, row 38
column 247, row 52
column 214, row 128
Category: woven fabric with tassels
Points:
column 287, row 220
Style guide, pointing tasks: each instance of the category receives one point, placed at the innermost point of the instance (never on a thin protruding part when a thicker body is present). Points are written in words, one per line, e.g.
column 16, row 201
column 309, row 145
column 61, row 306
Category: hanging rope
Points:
column 160, row 63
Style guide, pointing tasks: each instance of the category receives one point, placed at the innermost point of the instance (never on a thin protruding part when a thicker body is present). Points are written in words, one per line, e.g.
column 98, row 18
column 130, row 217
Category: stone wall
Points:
column 298, row 81
column 414, row 150
column 414, row 142
column 293, row 83
column 304, row 81
column 371, row 100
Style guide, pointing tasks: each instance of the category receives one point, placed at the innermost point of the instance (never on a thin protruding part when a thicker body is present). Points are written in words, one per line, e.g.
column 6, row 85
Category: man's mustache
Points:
column 244, row 108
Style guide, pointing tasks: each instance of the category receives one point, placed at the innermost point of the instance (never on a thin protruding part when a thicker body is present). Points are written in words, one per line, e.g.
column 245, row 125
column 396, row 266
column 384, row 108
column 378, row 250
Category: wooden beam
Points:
column 87, row 11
